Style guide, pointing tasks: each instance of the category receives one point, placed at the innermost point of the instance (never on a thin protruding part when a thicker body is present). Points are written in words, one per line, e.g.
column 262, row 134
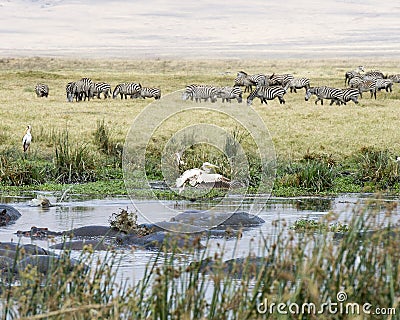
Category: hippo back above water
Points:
column 8, row 214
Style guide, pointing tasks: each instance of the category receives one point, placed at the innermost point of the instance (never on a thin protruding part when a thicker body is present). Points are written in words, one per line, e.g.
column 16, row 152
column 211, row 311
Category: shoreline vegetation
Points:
column 321, row 150
column 299, row 267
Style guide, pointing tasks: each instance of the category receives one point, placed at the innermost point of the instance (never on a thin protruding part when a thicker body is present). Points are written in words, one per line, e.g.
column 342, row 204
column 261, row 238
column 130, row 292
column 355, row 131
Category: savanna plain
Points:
column 320, row 149
column 324, row 148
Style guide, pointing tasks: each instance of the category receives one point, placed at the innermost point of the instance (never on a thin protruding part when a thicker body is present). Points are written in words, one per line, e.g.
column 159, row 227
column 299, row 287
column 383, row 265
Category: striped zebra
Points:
column 386, row 84
column 198, row 92
column 150, row 93
column 297, row 83
column 69, row 89
column 351, row 74
column 127, row 89
column 394, row 77
column 355, row 81
column 279, row 79
column 348, row 94
column 42, row 90
column 248, row 81
column 265, row 93
column 324, row 93
column 368, row 85
column 229, row 93
column 375, row 74
column 102, row 87
column 83, row 89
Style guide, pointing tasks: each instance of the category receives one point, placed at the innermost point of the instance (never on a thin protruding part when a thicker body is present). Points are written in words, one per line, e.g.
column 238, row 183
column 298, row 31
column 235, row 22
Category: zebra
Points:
column 83, row 88
column 265, row 93
column 297, row 83
column 394, row 77
column 102, row 87
column 386, row 84
column 324, row 93
column 368, row 85
column 150, row 93
column 248, row 81
column 229, row 93
column 127, row 89
column 279, row 79
column 351, row 74
column 69, row 89
column 375, row 74
column 348, row 94
column 355, row 81
column 198, row 92
column 42, row 90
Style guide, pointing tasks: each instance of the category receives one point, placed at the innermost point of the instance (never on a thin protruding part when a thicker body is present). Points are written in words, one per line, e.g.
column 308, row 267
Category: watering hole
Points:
column 281, row 212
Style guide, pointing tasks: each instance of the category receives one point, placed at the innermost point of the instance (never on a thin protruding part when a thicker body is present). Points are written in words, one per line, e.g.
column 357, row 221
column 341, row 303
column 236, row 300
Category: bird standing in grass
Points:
column 27, row 139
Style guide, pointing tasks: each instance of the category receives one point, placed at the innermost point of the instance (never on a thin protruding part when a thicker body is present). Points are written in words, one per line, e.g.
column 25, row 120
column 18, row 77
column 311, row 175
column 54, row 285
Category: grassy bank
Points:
column 320, row 149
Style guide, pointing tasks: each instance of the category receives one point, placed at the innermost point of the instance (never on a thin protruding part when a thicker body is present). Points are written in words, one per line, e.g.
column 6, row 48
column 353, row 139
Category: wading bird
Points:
column 203, row 177
column 27, row 139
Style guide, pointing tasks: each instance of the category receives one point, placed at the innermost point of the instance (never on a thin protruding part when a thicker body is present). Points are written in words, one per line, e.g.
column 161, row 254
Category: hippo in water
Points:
column 80, row 244
column 218, row 220
column 160, row 239
column 8, row 214
column 44, row 263
column 92, row 231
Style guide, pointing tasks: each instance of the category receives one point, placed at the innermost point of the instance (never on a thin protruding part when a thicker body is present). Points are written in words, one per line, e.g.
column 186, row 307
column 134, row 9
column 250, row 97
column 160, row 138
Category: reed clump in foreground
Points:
column 288, row 267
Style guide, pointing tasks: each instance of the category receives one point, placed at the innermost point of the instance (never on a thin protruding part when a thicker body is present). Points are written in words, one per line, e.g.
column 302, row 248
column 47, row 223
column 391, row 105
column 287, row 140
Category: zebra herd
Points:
column 85, row 88
column 262, row 86
column 277, row 85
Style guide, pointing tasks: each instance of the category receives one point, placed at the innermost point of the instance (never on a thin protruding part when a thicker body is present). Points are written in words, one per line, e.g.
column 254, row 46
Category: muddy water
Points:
column 78, row 212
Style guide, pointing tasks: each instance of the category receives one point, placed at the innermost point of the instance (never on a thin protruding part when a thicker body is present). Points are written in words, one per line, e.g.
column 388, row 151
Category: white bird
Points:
column 202, row 177
column 27, row 139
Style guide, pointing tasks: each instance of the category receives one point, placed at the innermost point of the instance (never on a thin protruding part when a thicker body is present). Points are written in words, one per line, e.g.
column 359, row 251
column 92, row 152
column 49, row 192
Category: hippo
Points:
column 92, row 231
column 27, row 249
column 160, row 239
column 80, row 244
column 8, row 214
column 218, row 220
column 38, row 233
column 44, row 263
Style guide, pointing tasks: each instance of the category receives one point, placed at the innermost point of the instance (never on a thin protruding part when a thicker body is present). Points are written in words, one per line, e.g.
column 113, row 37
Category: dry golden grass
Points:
column 296, row 127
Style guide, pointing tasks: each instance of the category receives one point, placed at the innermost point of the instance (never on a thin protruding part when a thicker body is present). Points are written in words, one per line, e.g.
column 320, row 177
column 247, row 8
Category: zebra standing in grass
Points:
column 297, row 83
column 199, row 92
column 386, row 84
column 102, row 87
column 248, row 81
column 69, row 89
column 229, row 93
column 351, row 74
column 83, row 89
column 324, row 93
column 150, row 93
column 265, row 93
column 127, row 89
column 279, row 79
column 368, row 85
column 42, row 90
column 348, row 94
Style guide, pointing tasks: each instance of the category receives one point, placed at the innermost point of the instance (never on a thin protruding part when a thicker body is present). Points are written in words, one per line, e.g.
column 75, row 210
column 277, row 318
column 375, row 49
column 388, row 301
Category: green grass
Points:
column 360, row 139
